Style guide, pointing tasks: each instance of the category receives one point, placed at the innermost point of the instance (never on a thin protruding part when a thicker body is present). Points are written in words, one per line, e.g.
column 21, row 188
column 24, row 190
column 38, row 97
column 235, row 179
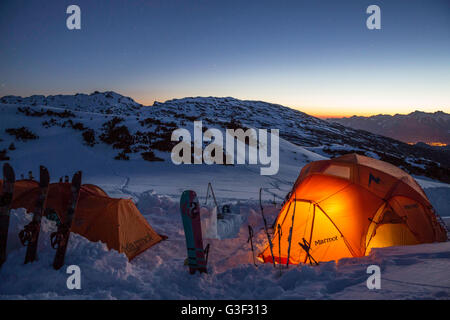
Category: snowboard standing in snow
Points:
column 5, row 203
column 29, row 236
column 60, row 238
column 190, row 213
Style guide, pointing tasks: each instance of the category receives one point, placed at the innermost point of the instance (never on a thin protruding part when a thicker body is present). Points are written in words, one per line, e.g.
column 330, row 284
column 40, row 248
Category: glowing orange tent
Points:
column 345, row 206
column 116, row 222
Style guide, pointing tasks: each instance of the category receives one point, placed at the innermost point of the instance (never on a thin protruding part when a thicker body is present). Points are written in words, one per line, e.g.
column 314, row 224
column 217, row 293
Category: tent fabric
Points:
column 116, row 222
column 344, row 207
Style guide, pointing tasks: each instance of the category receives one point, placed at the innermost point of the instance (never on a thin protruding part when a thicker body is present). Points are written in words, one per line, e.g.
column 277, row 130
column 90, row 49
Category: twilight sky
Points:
column 316, row 56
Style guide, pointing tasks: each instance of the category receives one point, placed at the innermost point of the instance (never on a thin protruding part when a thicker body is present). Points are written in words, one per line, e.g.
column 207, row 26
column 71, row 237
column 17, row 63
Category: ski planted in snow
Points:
column 60, row 238
column 29, row 236
column 5, row 204
column 190, row 214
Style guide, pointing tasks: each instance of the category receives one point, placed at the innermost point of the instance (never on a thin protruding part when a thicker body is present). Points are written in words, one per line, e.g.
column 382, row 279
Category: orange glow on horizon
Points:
column 318, row 112
column 347, row 115
column 437, row 144
column 322, row 115
column 433, row 144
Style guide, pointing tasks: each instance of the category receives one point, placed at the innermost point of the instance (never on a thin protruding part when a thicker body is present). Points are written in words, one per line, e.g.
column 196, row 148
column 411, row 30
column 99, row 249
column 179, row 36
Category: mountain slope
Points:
column 411, row 128
column 112, row 124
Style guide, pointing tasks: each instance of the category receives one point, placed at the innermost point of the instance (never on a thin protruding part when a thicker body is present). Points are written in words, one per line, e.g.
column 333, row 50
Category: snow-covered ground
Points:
column 414, row 272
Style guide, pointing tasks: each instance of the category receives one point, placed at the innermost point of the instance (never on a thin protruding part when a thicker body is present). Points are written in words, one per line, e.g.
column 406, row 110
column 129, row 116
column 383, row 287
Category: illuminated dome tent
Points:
column 345, row 206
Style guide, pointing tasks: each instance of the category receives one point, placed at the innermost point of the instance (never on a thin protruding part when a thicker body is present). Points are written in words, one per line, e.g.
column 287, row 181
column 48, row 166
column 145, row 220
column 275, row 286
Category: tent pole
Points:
column 279, row 247
column 290, row 232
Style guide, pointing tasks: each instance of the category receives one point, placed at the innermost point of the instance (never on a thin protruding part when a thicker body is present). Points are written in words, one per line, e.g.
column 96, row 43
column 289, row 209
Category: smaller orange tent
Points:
column 116, row 222
column 345, row 206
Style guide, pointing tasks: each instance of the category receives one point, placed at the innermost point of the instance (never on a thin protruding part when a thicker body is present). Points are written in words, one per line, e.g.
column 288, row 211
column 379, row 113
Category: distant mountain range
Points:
column 430, row 128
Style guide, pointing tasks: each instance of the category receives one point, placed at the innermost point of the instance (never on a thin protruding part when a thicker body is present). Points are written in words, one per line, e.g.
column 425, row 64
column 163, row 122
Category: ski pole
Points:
column 265, row 228
column 206, row 252
column 250, row 239
column 306, row 246
column 212, row 193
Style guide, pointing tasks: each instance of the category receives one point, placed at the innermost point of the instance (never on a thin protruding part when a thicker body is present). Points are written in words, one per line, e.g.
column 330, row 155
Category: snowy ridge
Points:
column 148, row 129
column 105, row 102
column 415, row 127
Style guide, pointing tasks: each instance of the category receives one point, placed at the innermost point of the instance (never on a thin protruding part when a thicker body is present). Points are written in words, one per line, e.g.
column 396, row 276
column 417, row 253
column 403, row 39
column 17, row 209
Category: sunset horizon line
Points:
column 304, row 109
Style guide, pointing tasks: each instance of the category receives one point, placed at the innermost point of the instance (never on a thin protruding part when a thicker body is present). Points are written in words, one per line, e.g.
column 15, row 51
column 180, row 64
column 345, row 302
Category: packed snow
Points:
column 413, row 272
